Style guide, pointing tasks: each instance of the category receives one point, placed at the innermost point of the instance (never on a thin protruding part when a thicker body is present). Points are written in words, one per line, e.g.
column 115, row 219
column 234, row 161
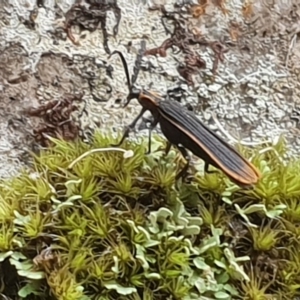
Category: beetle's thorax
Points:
column 149, row 100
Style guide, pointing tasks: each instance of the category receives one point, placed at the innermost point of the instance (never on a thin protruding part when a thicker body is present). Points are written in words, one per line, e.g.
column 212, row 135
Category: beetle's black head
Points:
column 133, row 94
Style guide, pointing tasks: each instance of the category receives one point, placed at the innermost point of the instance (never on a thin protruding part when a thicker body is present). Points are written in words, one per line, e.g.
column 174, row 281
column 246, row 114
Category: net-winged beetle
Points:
column 185, row 131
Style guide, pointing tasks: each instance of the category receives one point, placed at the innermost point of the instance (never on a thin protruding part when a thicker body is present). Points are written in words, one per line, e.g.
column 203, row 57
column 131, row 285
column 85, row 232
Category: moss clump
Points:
column 113, row 224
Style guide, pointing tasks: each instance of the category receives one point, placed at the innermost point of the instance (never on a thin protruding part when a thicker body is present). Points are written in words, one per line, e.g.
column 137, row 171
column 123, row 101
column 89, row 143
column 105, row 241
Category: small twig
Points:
column 127, row 154
column 293, row 42
column 249, row 76
column 230, row 137
column 271, row 149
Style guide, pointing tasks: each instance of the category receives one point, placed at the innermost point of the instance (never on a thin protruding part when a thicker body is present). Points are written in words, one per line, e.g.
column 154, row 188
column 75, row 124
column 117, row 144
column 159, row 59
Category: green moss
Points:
column 88, row 221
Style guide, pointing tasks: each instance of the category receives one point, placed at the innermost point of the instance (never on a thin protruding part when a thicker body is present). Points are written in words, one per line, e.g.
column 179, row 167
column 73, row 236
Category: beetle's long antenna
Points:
column 124, row 65
column 138, row 62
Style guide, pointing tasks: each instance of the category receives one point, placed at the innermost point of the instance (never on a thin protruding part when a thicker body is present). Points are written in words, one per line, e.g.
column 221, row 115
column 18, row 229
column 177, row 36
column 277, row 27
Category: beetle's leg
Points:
column 152, row 126
column 185, row 154
column 206, row 170
column 149, row 142
column 129, row 128
column 168, row 148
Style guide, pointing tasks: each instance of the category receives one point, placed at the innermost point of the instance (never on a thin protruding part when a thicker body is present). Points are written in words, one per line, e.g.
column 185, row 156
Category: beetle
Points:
column 184, row 130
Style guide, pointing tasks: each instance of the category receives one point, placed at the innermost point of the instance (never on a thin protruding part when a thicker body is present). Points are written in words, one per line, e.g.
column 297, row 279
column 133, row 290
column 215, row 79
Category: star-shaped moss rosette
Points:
column 89, row 221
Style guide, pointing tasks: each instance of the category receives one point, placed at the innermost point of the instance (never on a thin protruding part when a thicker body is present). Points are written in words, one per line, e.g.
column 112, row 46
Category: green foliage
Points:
column 88, row 221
